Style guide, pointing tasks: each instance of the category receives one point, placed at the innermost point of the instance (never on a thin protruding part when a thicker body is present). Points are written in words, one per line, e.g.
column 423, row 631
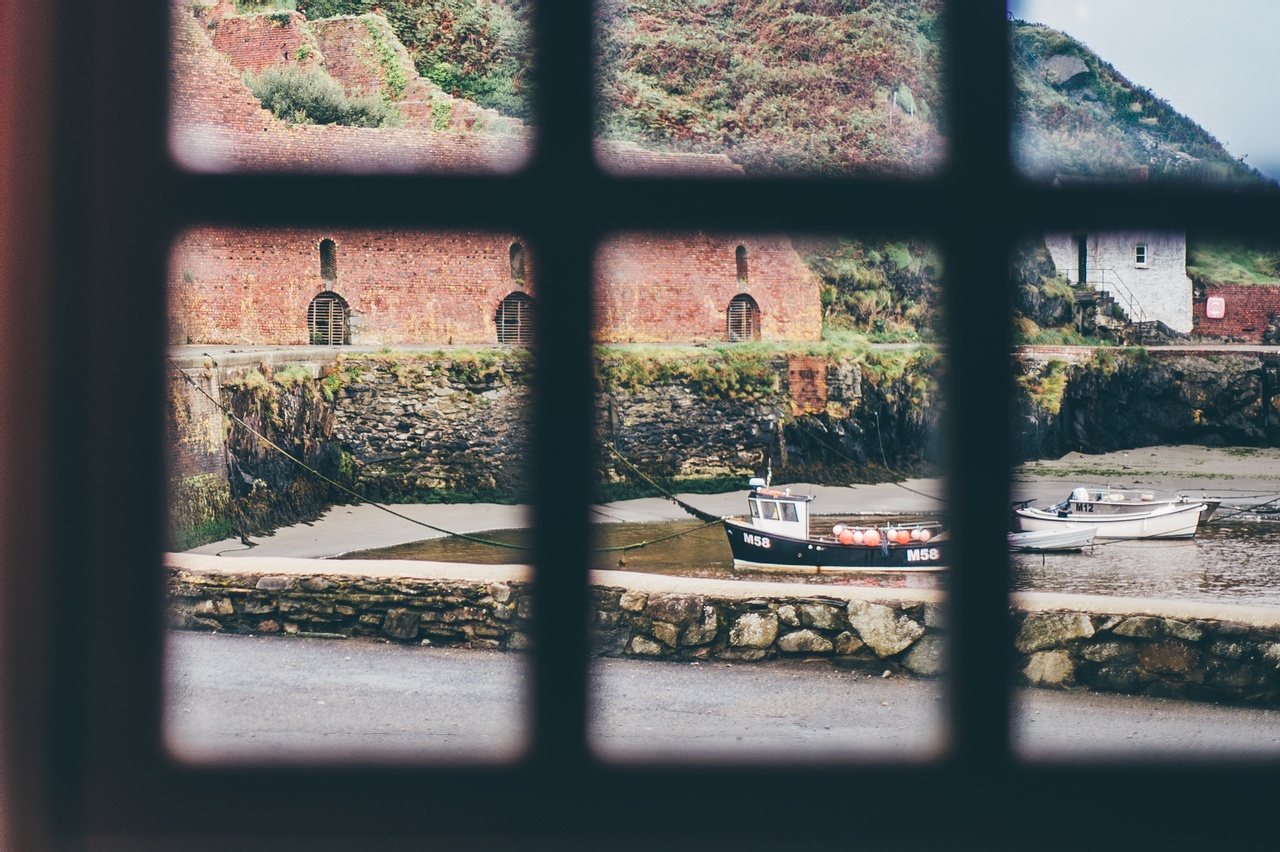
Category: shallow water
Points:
column 1230, row 561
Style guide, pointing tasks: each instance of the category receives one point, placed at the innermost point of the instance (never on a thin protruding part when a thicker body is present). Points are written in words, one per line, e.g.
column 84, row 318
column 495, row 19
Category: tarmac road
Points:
column 235, row 699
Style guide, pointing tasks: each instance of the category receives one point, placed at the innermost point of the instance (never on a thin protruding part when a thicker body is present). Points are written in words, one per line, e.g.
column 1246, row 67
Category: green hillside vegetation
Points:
column 777, row 85
column 473, row 49
column 884, row 289
column 1098, row 124
column 1232, row 262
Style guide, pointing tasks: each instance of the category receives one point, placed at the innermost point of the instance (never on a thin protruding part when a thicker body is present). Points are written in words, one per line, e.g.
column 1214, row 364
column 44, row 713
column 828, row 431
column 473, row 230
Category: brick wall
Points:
column 807, row 383
column 1248, row 311
column 254, row 286
column 257, row 42
column 665, row 287
column 241, row 286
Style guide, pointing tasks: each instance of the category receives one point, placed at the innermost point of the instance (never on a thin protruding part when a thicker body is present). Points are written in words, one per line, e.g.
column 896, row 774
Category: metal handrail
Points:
column 1137, row 315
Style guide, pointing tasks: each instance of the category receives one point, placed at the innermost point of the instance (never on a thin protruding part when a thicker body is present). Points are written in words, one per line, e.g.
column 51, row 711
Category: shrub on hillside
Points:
column 310, row 96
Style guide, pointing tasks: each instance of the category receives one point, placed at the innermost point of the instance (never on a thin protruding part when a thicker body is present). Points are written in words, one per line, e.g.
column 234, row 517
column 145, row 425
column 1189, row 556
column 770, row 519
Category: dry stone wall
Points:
column 423, row 428
column 1228, row 654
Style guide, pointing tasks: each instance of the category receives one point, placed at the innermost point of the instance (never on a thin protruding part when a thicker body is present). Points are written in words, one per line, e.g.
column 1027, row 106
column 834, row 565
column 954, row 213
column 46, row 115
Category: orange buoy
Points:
column 846, row 537
column 871, row 537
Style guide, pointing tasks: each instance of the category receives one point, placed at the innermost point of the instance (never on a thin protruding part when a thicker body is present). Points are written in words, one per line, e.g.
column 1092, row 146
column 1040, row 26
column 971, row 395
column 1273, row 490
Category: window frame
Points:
column 83, row 632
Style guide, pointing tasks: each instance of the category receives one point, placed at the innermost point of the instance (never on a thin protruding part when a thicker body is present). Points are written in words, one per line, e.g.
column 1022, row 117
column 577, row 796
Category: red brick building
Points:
column 292, row 286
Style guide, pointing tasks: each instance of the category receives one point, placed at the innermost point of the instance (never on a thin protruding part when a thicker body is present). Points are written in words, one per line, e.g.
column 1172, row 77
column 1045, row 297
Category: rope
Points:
column 626, row 547
column 704, row 516
column 1254, row 509
column 359, row 499
column 692, row 510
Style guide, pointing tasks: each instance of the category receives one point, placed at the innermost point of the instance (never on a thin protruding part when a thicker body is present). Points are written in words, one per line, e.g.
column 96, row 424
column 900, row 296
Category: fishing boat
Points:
column 776, row 536
column 1164, row 520
column 1107, row 500
column 1065, row 538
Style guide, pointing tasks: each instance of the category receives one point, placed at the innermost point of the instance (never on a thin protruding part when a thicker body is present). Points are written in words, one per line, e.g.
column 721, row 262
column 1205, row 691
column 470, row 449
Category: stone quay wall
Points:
column 1219, row 653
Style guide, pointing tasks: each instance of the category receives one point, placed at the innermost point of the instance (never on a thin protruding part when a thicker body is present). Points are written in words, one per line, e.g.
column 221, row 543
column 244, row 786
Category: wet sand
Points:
column 1242, row 476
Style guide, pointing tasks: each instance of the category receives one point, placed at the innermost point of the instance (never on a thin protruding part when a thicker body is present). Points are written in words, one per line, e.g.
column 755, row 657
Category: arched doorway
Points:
column 742, row 319
column 515, row 320
column 327, row 321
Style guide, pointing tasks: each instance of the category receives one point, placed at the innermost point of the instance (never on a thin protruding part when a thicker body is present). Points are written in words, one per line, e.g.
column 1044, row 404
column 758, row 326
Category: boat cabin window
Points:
column 772, row 510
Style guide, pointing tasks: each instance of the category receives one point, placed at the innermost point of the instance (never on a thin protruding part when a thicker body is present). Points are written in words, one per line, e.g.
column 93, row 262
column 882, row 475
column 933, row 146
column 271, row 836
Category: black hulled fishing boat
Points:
column 776, row 536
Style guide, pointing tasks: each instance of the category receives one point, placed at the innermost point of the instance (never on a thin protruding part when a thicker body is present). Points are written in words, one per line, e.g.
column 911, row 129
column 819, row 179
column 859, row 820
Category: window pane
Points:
column 1106, row 93
column 770, row 87
column 758, row 629
column 349, row 86
column 347, row 433
column 1144, row 499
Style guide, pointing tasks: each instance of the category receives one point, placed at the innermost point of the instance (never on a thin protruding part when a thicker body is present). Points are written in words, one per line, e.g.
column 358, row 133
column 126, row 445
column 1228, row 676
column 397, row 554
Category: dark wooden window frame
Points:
column 83, row 519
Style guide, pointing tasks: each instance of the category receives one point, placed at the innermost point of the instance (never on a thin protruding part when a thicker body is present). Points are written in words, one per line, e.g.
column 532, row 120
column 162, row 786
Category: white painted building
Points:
column 1145, row 272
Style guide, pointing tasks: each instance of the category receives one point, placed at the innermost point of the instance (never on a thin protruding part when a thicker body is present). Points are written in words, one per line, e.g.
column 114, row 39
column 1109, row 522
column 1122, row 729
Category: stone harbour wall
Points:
column 1227, row 654
column 1220, row 653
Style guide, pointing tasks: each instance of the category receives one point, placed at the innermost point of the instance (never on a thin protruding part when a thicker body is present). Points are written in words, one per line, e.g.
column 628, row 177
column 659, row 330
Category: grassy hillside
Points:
column 1076, row 115
column 884, row 289
column 777, row 85
column 1214, row 261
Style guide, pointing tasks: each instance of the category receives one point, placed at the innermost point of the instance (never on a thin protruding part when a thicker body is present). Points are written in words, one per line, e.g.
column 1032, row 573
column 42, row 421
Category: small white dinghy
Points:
column 1068, row 537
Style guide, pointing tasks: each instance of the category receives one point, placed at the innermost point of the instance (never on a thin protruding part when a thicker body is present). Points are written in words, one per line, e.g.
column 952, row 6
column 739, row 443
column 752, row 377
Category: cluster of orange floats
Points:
column 872, row 535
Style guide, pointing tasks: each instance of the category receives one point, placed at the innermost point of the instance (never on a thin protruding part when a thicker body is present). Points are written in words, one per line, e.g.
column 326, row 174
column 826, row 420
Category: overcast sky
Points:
column 1218, row 63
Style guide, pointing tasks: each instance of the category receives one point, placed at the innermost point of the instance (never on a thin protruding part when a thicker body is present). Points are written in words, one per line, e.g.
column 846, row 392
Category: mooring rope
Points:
column 692, row 510
column 710, row 519
column 344, row 489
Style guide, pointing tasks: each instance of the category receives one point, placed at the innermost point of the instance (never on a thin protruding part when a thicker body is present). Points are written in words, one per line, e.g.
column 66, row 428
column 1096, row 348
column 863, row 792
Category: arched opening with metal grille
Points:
column 741, row 256
column 328, row 260
column 515, row 320
column 327, row 321
column 742, row 319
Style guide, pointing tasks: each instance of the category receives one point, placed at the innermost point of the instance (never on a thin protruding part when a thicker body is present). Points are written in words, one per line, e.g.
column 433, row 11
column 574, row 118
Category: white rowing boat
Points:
column 1066, row 537
column 1168, row 520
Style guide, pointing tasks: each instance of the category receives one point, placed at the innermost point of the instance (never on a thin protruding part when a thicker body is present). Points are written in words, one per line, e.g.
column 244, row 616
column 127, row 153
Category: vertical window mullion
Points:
column 978, row 315
column 562, row 236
